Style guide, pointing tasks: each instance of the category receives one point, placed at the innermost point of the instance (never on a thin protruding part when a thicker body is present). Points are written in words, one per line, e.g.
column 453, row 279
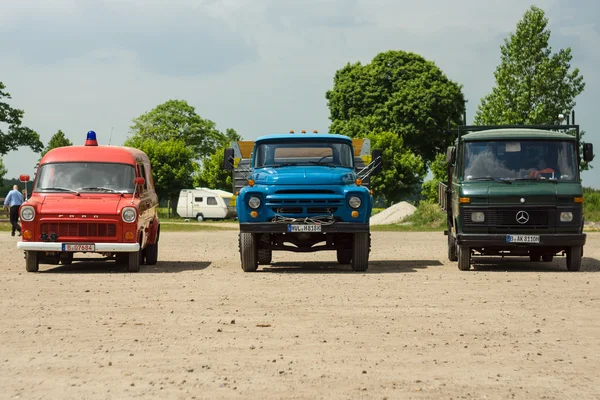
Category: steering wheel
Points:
column 536, row 174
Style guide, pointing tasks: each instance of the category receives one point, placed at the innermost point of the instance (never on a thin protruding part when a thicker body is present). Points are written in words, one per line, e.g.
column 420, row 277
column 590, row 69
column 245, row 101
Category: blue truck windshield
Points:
column 85, row 177
column 520, row 160
column 277, row 154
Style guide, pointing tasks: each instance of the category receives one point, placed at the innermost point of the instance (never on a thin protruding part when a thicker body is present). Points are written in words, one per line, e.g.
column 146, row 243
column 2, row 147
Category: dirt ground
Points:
column 195, row 326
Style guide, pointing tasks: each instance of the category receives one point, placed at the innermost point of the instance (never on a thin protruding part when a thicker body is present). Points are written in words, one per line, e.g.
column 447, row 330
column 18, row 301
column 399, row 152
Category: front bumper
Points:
column 276, row 227
column 99, row 247
column 500, row 240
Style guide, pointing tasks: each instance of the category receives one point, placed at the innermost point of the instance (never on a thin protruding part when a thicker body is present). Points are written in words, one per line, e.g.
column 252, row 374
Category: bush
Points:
column 591, row 205
column 427, row 214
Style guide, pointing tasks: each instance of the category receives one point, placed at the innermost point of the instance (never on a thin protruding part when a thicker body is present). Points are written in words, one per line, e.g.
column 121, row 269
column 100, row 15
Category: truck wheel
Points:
column 574, row 255
column 151, row 254
column 452, row 256
column 265, row 256
column 200, row 217
column 66, row 258
column 344, row 256
column 248, row 252
column 464, row 258
column 134, row 261
column 548, row 258
column 32, row 261
column 360, row 252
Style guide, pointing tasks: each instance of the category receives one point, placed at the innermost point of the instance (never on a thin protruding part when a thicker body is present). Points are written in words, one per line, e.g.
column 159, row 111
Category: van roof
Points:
column 116, row 154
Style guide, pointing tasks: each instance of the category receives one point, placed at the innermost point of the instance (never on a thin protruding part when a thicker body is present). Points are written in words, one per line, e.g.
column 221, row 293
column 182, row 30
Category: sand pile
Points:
column 393, row 214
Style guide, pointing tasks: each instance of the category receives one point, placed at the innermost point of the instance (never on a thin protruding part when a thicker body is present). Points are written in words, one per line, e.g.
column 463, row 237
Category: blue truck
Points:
column 303, row 192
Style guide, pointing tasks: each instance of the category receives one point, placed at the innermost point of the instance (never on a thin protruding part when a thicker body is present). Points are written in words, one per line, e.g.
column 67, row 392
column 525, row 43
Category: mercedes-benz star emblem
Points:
column 522, row 217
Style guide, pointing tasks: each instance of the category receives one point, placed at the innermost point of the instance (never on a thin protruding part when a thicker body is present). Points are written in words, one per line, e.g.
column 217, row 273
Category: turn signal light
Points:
column 464, row 200
column 27, row 235
column 254, row 214
column 578, row 199
column 251, row 182
column 358, row 182
column 354, row 214
column 315, row 131
column 128, row 235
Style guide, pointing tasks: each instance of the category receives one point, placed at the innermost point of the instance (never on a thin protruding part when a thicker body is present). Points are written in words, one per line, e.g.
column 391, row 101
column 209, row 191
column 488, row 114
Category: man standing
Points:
column 13, row 200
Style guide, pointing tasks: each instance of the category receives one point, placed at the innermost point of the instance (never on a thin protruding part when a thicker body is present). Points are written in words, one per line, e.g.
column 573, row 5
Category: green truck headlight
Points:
column 478, row 216
column 566, row 216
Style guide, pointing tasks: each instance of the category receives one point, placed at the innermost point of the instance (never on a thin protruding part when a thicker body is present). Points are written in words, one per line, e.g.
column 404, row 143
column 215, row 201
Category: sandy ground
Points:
column 196, row 326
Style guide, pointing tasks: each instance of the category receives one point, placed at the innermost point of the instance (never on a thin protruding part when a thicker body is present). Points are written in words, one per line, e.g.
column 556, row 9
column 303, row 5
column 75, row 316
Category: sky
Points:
column 258, row 66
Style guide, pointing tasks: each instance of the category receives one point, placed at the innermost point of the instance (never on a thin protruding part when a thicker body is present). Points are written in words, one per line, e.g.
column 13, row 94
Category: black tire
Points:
column 134, row 261
column 265, row 256
column 574, row 256
column 66, row 258
column 32, row 261
column 534, row 257
column 360, row 252
column 151, row 254
column 464, row 258
column 452, row 250
column 548, row 258
column 344, row 256
column 248, row 251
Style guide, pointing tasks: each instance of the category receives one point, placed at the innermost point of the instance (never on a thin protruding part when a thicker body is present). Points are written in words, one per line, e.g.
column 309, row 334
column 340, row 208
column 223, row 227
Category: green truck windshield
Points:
column 276, row 154
column 520, row 160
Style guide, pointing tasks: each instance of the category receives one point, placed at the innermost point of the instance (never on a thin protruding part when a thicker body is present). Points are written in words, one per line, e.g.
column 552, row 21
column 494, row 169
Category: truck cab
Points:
column 303, row 193
column 515, row 191
column 91, row 199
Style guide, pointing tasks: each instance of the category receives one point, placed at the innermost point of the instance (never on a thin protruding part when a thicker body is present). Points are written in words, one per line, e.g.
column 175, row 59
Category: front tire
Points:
column 574, row 256
column 32, row 261
column 452, row 251
column 151, row 254
column 464, row 258
column 134, row 261
column 344, row 256
column 360, row 251
column 248, row 252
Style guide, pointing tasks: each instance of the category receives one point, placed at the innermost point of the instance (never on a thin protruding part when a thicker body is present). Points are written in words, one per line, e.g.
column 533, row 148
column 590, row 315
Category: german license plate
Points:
column 304, row 228
column 78, row 247
column 522, row 238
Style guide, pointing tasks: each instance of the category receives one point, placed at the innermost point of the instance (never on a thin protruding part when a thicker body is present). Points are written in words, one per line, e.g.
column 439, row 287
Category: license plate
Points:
column 522, row 238
column 78, row 247
column 304, row 228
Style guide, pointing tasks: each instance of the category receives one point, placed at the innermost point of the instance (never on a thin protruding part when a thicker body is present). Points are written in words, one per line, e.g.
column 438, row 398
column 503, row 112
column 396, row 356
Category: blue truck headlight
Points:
column 478, row 216
column 254, row 202
column 566, row 216
column 354, row 202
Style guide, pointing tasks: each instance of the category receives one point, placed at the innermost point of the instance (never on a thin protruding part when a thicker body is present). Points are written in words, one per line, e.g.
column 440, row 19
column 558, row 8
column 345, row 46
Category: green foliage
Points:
column 3, row 170
column 177, row 120
column 402, row 169
column 439, row 170
column 398, row 92
column 17, row 135
column 172, row 164
column 212, row 174
column 591, row 204
column 428, row 214
column 57, row 140
column 533, row 86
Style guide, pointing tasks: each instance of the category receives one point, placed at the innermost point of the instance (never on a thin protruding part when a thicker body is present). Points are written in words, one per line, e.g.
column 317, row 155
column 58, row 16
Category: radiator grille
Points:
column 80, row 229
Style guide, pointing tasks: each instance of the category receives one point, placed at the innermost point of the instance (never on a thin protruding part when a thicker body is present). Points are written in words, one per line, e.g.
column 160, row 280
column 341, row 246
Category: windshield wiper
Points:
column 324, row 165
column 281, row 165
column 101, row 188
column 553, row 180
column 62, row 189
column 490, row 178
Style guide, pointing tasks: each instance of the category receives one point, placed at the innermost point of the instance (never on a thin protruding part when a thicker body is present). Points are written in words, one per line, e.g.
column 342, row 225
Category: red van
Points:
column 91, row 199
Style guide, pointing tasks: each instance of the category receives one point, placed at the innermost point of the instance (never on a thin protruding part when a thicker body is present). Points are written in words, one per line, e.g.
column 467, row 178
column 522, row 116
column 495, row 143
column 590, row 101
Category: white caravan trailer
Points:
column 205, row 203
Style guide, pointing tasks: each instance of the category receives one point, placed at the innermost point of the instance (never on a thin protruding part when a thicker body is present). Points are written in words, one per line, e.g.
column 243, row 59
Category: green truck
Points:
column 515, row 190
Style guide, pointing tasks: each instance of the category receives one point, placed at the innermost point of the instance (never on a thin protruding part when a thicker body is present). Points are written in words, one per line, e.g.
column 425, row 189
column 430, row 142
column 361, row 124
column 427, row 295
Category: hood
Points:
column 71, row 204
column 304, row 175
column 530, row 191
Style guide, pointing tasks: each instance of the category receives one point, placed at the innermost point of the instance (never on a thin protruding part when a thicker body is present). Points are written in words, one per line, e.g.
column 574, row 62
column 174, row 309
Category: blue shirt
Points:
column 14, row 198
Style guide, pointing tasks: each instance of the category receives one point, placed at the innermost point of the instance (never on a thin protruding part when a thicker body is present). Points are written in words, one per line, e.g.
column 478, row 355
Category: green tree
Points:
column 439, row 170
column 57, row 140
column 402, row 169
column 3, row 171
column 172, row 163
column 398, row 92
column 212, row 174
column 533, row 86
column 176, row 119
column 17, row 135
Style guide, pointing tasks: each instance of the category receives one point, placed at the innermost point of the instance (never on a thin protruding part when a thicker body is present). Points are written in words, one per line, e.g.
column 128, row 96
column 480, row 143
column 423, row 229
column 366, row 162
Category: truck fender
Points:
column 154, row 231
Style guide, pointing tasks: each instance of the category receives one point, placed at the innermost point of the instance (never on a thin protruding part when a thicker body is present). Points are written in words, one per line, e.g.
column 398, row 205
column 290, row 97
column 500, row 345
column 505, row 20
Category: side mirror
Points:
column 451, row 155
column 228, row 159
column 139, row 181
column 377, row 154
column 588, row 152
column 24, row 178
